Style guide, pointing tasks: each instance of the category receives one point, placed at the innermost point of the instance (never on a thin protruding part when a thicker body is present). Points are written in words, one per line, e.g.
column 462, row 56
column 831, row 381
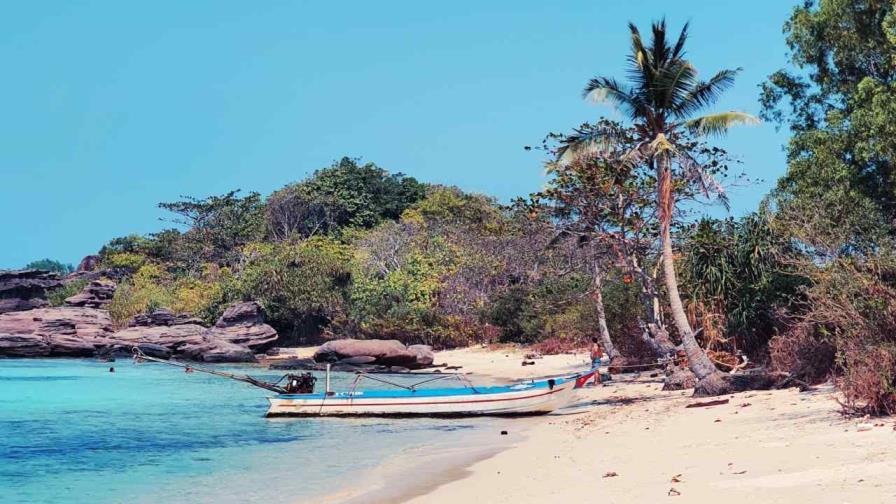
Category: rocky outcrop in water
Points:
column 26, row 289
column 54, row 332
column 96, row 294
column 188, row 341
column 83, row 332
column 390, row 353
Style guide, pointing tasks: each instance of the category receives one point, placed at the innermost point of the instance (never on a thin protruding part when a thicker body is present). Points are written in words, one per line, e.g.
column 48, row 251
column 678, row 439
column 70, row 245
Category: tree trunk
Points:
column 607, row 343
column 653, row 332
column 698, row 361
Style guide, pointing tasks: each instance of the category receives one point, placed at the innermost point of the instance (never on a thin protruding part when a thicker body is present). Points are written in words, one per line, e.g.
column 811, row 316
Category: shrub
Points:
column 151, row 288
column 51, row 265
column 802, row 354
column 300, row 286
column 851, row 314
column 127, row 261
column 57, row 296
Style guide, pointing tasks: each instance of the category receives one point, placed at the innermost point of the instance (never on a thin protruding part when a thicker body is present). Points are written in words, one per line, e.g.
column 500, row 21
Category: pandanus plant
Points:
column 663, row 98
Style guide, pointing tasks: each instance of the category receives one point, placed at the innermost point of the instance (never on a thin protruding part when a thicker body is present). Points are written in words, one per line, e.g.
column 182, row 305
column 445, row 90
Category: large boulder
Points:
column 54, row 332
column 384, row 352
column 89, row 263
column 213, row 349
column 96, row 294
column 26, row 289
column 243, row 324
column 424, row 355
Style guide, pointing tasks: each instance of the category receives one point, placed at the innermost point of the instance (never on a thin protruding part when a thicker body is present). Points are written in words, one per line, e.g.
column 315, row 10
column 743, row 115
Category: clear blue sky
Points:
column 110, row 107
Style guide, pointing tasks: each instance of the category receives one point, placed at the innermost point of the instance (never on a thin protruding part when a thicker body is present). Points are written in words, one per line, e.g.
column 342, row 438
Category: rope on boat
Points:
column 410, row 387
column 140, row 356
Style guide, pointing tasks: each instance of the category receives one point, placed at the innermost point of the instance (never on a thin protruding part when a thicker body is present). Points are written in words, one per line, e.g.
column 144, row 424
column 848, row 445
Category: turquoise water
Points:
column 71, row 431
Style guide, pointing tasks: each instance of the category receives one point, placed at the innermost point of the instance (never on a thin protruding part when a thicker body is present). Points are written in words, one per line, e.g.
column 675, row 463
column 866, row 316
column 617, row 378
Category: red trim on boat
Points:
column 349, row 401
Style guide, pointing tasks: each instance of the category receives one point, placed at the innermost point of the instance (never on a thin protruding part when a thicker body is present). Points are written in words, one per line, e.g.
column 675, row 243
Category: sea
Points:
column 71, row 431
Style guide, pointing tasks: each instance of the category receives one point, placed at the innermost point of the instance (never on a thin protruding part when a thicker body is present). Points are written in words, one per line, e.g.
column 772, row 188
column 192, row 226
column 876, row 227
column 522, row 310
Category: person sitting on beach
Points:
column 596, row 355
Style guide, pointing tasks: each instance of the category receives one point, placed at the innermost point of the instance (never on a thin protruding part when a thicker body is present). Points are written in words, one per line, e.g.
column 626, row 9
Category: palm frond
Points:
column 605, row 90
column 703, row 94
column 638, row 51
column 675, row 84
column 584, row 143
column 720, row 123
column 678, row 50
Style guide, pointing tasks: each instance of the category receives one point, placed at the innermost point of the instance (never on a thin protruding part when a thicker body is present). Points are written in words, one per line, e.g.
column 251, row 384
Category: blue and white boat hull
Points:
column 531, row 398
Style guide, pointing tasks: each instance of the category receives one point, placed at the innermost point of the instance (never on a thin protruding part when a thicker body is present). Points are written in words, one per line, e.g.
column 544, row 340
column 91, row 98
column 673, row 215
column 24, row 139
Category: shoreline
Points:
column 417, row 472
column 631, row 442
column 422, row 469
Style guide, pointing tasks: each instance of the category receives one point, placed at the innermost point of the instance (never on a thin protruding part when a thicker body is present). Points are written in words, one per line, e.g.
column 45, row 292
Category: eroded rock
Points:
column 383, row 353
column 96, row 294
column 243, row 324
column 54, row 332
column 26, row 289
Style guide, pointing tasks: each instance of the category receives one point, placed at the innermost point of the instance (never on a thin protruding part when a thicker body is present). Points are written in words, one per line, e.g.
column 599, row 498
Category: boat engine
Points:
column 300, row 384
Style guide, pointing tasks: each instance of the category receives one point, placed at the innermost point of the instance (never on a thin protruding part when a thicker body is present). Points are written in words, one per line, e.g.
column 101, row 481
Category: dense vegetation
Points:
column 614, row 246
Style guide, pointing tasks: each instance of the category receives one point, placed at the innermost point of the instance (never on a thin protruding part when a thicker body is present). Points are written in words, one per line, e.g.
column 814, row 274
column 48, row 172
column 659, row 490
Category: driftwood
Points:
column 707, row 404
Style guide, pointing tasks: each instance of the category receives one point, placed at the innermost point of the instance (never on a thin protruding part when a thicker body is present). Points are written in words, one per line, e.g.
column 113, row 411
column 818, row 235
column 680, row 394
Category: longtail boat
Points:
column 295, row 395
column 524, row 398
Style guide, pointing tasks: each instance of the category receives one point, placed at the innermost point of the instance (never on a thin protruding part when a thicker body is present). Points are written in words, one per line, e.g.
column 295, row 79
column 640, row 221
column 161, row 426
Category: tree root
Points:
column 721, row 384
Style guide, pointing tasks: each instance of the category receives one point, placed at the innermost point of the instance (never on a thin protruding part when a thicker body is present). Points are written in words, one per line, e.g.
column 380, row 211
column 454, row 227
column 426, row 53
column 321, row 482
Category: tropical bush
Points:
column 152, row 287
column 57, row 297
column 300, row 285
column 51, row 265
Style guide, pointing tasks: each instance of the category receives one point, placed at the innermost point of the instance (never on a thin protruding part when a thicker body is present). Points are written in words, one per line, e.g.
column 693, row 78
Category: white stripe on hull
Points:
column 523, row 402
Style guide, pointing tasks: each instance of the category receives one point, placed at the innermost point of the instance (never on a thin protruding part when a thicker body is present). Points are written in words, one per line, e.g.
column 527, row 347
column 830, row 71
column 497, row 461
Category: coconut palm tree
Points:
column 662, row 98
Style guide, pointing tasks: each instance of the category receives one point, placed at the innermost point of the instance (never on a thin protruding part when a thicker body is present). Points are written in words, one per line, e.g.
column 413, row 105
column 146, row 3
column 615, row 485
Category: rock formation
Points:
column 375, row 352
column 96, row 294
column 188, row 341
column 243, row 324
column 163, row 317
column 56, row 332
column 83, row 331
column 26, row 289
column 89, row 263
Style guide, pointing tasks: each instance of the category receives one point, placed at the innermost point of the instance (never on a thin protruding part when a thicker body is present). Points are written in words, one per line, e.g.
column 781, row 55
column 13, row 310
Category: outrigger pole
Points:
column 272, row 386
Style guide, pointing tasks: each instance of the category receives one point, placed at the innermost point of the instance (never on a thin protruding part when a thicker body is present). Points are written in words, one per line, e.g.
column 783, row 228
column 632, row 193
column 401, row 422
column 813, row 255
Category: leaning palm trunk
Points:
column 653, row 331
column 602, row 316
column 698, row 361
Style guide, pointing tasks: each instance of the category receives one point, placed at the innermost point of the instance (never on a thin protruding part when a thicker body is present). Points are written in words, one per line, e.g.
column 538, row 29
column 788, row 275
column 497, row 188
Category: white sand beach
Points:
column 629, row 442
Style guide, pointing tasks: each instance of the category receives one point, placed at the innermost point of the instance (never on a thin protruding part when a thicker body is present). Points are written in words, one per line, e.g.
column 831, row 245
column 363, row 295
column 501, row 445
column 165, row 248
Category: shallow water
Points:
column 72, row 432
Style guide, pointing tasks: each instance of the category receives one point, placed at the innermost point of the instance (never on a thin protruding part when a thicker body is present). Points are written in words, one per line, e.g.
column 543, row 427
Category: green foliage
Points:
column 296, row 283
column 449, row 206
column 50, row 265
column 398, row 275
column 360, row 195
column 838, row 97
column 152, row 287
column 57, row 296
column 128, row 261
column 526, row 313
column 218, row 226
column 743, row 271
